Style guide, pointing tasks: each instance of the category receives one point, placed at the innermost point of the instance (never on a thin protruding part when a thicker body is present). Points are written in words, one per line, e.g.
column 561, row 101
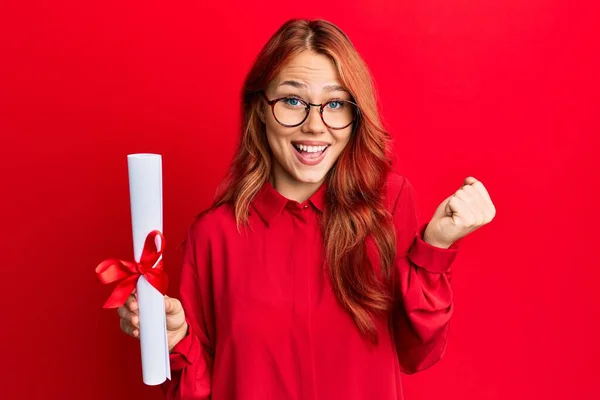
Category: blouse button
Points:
column 306, row 206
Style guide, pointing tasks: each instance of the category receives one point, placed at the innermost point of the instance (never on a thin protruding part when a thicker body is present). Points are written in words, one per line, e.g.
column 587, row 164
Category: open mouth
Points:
column 310, row 154
column 310, row 151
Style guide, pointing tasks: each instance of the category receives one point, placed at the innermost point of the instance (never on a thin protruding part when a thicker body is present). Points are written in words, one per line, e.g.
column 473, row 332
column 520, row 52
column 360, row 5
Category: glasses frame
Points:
column 308, row 107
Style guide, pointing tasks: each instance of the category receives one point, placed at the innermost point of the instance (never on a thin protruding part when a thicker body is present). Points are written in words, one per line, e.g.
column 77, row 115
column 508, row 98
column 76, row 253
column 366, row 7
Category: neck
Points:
column 291, row 188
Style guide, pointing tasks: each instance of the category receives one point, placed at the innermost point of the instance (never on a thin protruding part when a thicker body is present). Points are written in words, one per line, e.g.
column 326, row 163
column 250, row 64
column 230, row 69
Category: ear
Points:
column 260, row 110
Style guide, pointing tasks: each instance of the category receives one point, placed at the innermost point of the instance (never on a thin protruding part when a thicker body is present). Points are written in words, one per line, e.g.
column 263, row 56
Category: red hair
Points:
column 355, row 207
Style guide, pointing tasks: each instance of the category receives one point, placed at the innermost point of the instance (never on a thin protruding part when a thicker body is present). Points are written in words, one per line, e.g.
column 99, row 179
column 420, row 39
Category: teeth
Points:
column 310, row 149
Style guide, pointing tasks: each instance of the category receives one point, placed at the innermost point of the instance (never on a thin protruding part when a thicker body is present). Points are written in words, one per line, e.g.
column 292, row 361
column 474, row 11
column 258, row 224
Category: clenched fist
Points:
column 176, row 325
column 468, row 209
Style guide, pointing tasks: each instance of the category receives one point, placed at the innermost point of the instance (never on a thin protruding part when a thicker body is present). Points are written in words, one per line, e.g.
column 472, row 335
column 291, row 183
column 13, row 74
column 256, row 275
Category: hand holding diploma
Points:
column 175, row 316
column 158, row 321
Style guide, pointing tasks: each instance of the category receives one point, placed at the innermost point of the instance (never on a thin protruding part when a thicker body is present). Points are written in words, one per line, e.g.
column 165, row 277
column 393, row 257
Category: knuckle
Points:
column 126, row 327
column 122, row 313
column 130, row 301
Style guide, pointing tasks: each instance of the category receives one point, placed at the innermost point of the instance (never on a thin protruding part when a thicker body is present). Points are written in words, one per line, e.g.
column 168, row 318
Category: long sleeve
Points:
column 192, row 358
column 423, row 291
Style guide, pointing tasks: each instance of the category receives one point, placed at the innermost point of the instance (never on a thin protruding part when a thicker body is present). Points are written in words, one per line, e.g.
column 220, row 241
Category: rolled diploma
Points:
column 145, row 193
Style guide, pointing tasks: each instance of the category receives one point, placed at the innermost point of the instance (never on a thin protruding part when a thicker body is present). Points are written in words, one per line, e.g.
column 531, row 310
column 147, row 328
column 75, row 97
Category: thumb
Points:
column 448, row 209
column 445, row 206
column 172, row 306
column 443, row 209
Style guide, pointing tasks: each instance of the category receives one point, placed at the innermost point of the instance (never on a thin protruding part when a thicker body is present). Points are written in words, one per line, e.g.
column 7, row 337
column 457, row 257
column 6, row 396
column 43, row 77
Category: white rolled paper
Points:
column 145, row 193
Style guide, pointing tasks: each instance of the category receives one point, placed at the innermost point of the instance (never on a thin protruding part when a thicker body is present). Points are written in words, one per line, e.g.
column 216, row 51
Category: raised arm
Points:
column 423, row 291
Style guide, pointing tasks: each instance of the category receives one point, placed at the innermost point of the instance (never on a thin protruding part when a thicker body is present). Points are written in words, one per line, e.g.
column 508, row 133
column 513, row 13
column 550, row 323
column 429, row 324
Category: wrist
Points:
column 178, row 336
column 434, row 242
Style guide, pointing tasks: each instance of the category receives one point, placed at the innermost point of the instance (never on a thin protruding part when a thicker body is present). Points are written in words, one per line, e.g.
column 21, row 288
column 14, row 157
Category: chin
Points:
column 312, row 177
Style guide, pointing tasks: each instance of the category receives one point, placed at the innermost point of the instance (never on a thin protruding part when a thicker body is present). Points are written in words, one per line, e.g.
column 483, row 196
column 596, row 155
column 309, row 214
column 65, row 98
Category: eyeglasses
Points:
column 292, row 111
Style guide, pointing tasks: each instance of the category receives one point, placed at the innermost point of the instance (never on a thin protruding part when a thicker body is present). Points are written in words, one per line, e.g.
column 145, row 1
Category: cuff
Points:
column 185, row 352
column 429, row 257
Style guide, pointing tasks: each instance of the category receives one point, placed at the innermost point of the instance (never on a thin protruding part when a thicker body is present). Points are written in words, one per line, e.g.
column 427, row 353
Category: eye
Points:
column 335, row 105
column 293, row 102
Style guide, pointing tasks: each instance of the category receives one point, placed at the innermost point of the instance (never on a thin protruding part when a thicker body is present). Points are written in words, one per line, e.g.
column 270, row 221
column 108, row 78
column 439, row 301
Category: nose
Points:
column 314, row 124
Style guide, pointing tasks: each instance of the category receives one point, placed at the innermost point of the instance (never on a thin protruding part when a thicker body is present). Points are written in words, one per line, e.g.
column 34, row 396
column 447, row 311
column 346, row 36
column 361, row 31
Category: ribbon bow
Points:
column 127, row 273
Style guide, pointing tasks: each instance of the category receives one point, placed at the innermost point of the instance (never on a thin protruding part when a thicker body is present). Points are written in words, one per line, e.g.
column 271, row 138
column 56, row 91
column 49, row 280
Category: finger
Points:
column 469, row 195
column 131, row 303
column 486, row 196
column 471, row 211
column 172, row 306
column 129, row 316
column 129, row 329
column 483, row 191
column 462, row 210
column 489, row 209
column 469, row 181
column 477, row 203
column 465, row 196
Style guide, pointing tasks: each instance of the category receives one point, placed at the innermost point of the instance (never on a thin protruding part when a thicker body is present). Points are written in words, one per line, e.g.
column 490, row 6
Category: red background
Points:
column 506, row 91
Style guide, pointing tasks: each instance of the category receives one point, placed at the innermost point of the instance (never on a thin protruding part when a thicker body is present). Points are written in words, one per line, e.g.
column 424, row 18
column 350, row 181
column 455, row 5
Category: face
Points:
column 305, row 153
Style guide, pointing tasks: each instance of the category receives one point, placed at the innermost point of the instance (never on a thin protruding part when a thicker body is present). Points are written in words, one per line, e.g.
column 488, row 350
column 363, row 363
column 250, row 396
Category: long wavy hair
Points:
column 355, row 212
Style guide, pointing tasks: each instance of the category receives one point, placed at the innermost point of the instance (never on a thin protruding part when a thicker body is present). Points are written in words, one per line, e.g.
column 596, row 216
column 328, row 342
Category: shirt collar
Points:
column 269, row 203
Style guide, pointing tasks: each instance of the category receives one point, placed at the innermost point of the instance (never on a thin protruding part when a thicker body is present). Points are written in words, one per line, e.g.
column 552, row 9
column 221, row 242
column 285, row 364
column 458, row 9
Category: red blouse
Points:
column 263, row 320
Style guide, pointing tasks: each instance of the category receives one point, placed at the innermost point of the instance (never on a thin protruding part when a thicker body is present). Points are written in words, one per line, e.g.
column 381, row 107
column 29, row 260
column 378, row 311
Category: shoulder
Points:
column 211, row 223
column 397, row 190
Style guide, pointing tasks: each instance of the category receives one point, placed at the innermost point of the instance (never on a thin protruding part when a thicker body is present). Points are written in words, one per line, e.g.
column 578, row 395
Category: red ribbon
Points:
column 127, row 273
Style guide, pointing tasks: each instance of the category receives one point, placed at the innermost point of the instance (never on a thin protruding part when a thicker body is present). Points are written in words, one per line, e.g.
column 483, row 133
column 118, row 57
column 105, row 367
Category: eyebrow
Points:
column 300, row 85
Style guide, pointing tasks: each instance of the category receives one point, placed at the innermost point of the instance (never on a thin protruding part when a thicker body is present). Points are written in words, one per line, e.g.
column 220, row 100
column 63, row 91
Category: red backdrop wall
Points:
column 506, row 91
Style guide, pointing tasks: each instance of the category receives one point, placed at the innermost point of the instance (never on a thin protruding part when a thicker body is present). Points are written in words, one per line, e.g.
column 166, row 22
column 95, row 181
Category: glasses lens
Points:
column 290, row 111
column 339, row 113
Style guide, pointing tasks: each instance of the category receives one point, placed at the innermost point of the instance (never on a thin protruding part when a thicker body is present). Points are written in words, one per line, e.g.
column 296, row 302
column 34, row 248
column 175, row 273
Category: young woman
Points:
column 311, row 277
